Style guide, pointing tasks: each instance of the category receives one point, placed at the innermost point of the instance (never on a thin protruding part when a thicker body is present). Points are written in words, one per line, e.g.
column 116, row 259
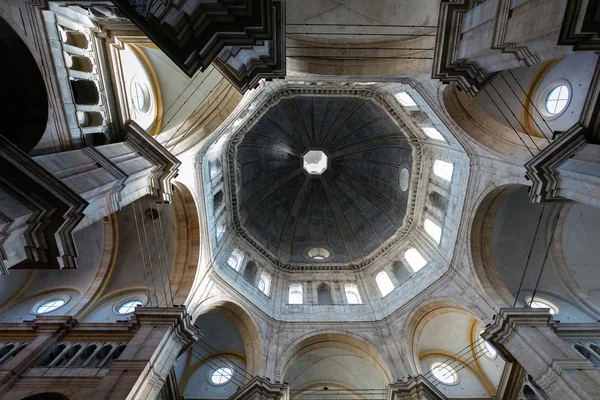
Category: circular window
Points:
column 541, row 303
column 444, row 373
column 221, row 375
column 488, row 350
column 318, row 254
column 404, row 179
column 139, row 96
column 129, row 306
column 558, row 99
column 49, row 306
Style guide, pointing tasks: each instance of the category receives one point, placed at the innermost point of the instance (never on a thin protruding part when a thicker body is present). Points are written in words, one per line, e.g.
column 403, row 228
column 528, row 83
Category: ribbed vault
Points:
column 350, row 209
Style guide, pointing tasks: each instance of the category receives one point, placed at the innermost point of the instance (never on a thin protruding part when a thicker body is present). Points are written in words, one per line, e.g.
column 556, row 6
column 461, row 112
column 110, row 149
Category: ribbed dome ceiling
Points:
column 350, row 209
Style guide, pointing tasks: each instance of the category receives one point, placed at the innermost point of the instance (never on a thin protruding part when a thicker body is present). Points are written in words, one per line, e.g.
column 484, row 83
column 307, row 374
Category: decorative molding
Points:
column 192, row 34
column 414, row 388
column 581, row 25
column 262, row 389
column 245, row 66
column 167, row 164
column 48, row 211
column 446, row 67
column 325, row 90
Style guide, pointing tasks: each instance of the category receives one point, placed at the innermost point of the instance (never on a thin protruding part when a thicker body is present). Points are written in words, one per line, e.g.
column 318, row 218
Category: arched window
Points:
column 250, row 271
column 264, row 285
column 217, row 200
column 433, row 133
column 400, row 271
column 444, row 373
column 384, row 282
column 489, row 351
column 443, row 169
column 542, row 303
column 295, row 294
column 235, row 259
column 352, row 294
column 220, row 229
column 324, row 294
column 414, row 259
column 433, row 230
column 49, row 306
column 405, row 99
column 214, row 167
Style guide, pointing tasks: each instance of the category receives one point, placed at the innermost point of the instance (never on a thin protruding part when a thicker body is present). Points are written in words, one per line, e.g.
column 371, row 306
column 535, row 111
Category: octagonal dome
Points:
column 355, row 200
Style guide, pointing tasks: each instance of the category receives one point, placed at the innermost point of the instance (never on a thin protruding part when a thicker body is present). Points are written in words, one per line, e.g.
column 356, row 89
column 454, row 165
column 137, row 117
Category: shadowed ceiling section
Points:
column 352, row 208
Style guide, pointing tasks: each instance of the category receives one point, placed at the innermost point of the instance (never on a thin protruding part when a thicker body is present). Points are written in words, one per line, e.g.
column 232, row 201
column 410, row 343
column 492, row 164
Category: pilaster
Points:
column 528, row 336
column 414, row 388
column 262, row 389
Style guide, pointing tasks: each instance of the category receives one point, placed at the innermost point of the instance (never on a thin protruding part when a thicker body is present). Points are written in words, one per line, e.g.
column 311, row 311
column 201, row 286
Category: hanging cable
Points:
column 525, row 108
column 211, row 349
column 529, row 255
column 181, row 137
column 137, row 229
column 162, row 231
column 530, row 101
column 514, row 116
column 508, row 122
column 158, row 250
column 180, row 107
column 149, row 256
column 545, row 258
column 193, row 112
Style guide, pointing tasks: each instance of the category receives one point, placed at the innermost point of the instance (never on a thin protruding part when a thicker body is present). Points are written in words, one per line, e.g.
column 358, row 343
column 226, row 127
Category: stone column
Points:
column 143, row 368
column 415, row 388
column 528, row 336
column 44, row 199
column 262, row 389
column 48, row 331
column 476, row 38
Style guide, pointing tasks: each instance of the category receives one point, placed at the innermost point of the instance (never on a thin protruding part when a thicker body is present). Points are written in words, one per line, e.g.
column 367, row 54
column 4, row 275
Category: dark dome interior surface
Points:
column 352, row 208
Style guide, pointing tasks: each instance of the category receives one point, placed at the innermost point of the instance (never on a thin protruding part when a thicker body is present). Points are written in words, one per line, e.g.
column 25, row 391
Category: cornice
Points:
column 329, row 89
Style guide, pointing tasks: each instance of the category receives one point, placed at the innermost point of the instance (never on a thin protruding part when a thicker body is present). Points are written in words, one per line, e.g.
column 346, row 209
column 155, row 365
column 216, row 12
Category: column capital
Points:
column 414, row 388
column 59, row 325
column 261, row 389
column 177, row 317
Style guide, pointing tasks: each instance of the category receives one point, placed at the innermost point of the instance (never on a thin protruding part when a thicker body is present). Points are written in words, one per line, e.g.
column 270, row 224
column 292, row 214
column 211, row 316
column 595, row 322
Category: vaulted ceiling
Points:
column 350, row 209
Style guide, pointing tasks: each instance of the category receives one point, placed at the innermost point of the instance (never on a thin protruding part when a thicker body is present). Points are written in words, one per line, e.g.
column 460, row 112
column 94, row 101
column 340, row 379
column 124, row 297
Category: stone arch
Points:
column 25, row 111
column 243, row 322
column 420, row 317
column 481, row 246
column 187, row 254
column 337, row 339
column 47, row 396
column 484, row 129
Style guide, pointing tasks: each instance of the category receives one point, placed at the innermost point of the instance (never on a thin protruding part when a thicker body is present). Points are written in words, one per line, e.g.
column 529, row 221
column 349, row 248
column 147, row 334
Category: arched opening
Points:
column 324, row 295
column 89, row 118
column 240, row 339
column 73, row 38
column 521, row 249
column 78, row 63
column 344, row 364
column 187, row 251
column 25, row 105
column 46, row 396
column 250, row 271
column 588, row 355
column 235, row 259
column 85, row 92
column 295, row 294
column 217, row 200
column 453, row 356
